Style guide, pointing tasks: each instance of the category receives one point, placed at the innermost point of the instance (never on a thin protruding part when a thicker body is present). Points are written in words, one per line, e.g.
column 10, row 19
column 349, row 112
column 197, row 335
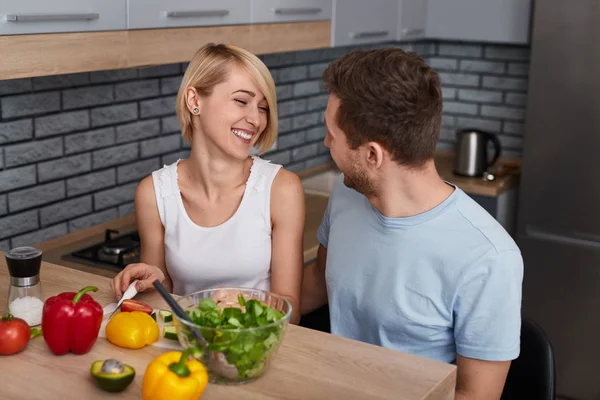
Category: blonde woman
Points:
column 222, row 217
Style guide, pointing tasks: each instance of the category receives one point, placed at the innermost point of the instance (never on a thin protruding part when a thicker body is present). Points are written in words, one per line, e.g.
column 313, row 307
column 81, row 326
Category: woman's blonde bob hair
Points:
column 209, row 67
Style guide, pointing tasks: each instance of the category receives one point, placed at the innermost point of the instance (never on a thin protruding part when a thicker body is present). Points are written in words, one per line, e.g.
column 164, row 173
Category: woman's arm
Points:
column 152, row 257
column 287, row 257
column 150, row 228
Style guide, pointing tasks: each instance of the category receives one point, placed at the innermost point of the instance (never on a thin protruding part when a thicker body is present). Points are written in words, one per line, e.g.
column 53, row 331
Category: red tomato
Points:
column 134, row 305
column 14, row 335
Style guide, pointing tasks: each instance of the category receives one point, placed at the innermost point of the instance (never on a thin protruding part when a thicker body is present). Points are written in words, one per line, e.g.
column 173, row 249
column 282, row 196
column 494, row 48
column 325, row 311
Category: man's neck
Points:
column 404, row 192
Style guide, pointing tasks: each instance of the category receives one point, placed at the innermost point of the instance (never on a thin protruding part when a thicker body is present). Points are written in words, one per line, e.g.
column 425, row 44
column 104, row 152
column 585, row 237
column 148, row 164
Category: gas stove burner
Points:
column 120, row 244
column 116, row 252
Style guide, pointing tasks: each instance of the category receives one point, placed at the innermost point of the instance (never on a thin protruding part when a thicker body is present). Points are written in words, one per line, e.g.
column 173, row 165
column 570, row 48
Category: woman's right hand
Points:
column 146, row 274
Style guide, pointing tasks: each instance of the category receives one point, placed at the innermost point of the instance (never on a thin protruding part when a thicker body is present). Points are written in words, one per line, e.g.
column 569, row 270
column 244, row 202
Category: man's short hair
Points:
column 390, row 97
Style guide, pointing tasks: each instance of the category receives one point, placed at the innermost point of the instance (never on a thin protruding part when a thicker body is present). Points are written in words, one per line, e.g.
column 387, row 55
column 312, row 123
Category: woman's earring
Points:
column 195, row 111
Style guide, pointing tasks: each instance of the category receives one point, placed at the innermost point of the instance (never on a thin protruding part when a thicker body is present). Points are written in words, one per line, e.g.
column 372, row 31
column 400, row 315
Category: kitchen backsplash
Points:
column 484, row 87
column 73, row 147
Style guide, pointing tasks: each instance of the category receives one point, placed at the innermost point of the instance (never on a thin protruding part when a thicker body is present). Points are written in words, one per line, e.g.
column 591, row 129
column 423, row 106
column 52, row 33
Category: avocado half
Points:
column 112, row 375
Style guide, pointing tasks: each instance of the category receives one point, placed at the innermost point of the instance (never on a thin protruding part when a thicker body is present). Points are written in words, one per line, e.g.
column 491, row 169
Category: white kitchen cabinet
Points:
column 360, row 21
column 178, row 13
column 265, row 11
column 412, row 19
column 18, row 17
column 501, row 21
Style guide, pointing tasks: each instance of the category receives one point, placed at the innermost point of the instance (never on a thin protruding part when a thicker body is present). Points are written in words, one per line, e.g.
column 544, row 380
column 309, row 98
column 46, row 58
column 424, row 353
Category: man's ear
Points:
column 193, row 100
column 374, row 154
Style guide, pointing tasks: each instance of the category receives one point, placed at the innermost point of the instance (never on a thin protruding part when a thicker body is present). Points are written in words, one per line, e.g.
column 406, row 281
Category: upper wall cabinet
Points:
column 502, row 21
column 264, row 11
column 19, row 17
column 412, row 19
column 360, row 21
column 170, row 13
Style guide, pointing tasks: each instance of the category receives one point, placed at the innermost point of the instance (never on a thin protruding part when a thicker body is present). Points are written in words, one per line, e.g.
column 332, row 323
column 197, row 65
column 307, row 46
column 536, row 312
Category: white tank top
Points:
column 235, row 253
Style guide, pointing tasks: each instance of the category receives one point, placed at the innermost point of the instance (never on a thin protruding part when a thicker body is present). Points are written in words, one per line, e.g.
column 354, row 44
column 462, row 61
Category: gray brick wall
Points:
column 16, row 131
column 87, row 96
column 65, row 210
column 62, row 123
column 64, row 167
column 484, row 87
column 90, row 140
column 73, row 147
column 3, row 205
column 30, row 104
column 91, row 182
column 29, row 152
column 114, row 114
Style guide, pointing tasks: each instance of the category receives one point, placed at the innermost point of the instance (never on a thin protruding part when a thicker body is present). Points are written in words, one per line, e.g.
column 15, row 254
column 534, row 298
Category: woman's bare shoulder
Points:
column 286, row 185
column 287, row 197
column 145, row 192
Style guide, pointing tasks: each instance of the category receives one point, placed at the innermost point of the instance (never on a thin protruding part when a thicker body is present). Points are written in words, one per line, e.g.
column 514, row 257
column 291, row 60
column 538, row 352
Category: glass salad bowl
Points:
column 235, row 331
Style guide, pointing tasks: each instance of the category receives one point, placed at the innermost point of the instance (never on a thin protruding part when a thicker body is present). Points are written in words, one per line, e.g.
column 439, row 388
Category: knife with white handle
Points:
column 129, row 294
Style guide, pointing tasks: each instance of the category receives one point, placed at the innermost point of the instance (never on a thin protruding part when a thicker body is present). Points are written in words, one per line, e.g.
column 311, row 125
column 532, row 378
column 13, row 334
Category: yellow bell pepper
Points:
column 172, row 376
column 132, row 330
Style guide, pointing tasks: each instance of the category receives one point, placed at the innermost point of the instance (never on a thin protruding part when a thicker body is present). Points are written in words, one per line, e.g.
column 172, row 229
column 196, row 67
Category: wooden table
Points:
column 308, row 365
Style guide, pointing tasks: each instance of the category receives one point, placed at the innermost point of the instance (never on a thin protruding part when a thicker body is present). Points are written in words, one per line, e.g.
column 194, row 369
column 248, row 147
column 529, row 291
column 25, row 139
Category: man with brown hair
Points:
column 407, row 260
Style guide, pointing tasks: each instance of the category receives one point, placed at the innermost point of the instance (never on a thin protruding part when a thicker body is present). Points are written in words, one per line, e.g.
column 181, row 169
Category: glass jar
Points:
column 25, row 290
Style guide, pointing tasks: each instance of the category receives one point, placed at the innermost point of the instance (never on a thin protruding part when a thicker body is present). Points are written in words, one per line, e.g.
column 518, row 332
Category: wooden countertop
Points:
column 308, row 365
column 63, row 53
column 507, row 176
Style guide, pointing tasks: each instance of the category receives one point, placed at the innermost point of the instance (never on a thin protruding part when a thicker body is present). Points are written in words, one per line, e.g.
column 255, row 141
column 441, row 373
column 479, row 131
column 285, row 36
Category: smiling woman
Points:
column 216, row 64
column 221, row 217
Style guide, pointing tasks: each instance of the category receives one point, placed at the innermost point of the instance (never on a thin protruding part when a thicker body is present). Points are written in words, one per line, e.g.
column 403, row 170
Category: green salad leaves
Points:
column 246, row 349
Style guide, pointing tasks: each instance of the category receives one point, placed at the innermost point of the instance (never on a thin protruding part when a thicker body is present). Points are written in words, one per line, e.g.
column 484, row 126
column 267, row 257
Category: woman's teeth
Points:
column 242, row 134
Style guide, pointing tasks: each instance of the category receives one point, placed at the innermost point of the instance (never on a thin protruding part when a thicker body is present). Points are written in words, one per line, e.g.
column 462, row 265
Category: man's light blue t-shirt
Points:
column 443, row 282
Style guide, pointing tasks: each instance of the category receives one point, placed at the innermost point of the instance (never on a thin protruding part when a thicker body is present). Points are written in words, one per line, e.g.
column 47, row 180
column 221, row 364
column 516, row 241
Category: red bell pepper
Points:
column 71, row 321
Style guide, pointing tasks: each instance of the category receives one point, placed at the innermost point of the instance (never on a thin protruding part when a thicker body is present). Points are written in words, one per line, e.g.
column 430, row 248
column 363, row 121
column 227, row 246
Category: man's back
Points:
column 443, row 282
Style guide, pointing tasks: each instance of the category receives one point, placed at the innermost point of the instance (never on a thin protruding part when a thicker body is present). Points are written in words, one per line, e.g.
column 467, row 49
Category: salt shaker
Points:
column 25, row 291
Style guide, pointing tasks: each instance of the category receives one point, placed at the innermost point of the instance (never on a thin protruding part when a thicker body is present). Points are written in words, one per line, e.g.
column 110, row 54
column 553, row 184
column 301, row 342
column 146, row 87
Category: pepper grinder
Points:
column 25, row 291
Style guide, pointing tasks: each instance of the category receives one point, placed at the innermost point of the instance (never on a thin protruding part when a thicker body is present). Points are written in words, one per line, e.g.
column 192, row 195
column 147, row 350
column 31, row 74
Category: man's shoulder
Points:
column 483, row 225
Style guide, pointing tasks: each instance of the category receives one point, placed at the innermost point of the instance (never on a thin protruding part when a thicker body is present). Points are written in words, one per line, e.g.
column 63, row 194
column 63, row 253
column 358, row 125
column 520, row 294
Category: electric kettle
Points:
column 471, row 157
